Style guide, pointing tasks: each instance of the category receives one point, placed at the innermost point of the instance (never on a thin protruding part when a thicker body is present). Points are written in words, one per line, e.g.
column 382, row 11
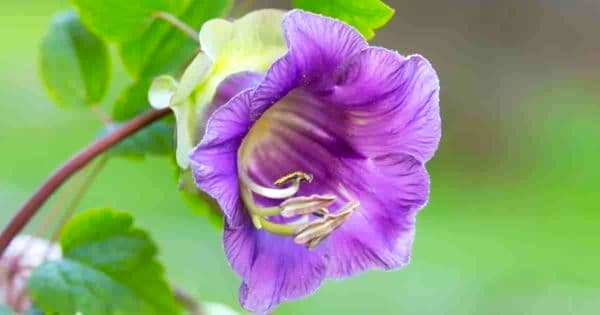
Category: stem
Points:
column 78, row 196
column 73, row 165
column 58, row 205
column 173, row 20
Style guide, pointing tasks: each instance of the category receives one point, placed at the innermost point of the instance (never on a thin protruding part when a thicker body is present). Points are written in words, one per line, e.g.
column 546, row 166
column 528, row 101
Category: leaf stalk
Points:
column 72, row 166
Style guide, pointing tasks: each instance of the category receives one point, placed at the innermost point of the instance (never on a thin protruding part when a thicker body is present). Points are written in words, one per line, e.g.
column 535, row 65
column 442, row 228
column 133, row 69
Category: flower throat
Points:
column 312, row 221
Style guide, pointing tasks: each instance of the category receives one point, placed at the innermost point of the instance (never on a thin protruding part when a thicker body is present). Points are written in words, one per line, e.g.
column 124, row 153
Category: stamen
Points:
column 294, row 176
column 344, row 213
column 248, row 186
column 311, row 234
column 321, row 213
column 313, row 230
column 284, row 229
column 306, row 205
column 312, row 244
column 274, row 193
column 256, row 221
column 253, row 208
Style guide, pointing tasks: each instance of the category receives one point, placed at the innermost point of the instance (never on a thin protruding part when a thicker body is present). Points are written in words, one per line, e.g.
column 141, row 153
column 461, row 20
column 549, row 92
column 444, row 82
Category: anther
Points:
column 272, row 193
column 296, row 176
column 306, row 205
column 344, row 213
column 313, row 230
column 312, row 244
column 321, row 213
column 311, row 234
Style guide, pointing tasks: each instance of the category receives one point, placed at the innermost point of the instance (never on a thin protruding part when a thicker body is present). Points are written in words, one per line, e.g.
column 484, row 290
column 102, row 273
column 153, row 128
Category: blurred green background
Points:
column 512, row 226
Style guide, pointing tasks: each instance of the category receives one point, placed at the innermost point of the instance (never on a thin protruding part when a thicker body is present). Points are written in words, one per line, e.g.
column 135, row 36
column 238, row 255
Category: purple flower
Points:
column 319, row 169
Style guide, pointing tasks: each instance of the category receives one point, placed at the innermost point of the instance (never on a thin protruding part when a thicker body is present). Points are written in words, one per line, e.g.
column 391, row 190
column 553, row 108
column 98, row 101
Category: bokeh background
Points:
column 513, row 225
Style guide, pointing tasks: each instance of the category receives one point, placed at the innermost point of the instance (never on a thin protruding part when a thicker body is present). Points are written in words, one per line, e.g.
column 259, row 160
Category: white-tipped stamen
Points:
column 313, row 230
column 253, row 208
column 311, row 234
column 305, row 205
column 344, row 214
column 321, row 213
column 312, row 244
column 272, row 193
column 294, row 176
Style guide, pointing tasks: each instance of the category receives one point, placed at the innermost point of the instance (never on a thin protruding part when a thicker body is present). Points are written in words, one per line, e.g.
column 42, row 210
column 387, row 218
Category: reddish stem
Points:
column 78, row 161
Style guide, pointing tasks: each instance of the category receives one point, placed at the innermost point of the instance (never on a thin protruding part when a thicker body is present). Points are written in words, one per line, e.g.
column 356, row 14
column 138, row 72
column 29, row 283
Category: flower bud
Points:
column 22, row 255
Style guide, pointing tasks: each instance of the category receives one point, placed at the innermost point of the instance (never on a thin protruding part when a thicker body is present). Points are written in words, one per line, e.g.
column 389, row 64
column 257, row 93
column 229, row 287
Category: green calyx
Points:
column 251, row 43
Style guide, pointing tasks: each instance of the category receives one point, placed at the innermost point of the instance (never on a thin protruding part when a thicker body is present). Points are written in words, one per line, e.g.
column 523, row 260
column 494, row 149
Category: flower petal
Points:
column 273, row 268
column 197, row 71
column 166, row 92
column 393, row 102
column 214, row 35
column 363, row 141
column 380, row 234
column 251, row 43
column 318, row 45
column 315, row 138
column 229, row 88
column 214, row 160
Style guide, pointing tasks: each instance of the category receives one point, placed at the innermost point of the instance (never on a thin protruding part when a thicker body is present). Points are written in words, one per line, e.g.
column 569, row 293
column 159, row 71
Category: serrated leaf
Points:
column 120, row 20
column 364, row 15
column 132, row 101
column 156, row 139
column 109, row 267
column 162, row 48
column 74, row 63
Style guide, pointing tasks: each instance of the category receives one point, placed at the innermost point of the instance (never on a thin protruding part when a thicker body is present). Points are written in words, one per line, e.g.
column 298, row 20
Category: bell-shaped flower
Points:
column 320, row 168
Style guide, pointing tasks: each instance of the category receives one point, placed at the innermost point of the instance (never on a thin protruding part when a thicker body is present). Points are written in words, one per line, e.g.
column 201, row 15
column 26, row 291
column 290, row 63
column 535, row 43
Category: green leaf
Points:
column 156, row 139
column 109, row 267
column 120, row 20
column 162, row 48
column 132, row 101
column 364, row 15
column 74, row 63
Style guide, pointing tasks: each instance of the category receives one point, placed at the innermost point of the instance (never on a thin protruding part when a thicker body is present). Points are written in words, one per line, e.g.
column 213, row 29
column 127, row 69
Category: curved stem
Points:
column 73, row 165
column 61, row 201
column 78, row 196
